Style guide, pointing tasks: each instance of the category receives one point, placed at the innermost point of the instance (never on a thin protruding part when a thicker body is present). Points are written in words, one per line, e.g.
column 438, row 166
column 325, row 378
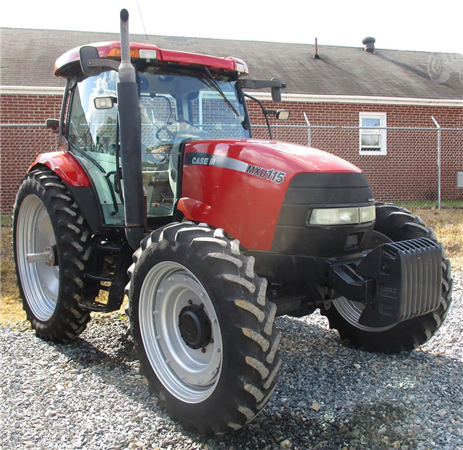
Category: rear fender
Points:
column 66, row 166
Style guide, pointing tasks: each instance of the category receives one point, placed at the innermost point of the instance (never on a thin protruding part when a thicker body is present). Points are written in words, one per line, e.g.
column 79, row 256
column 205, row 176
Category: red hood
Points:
column 308, row 159
column 240, row 185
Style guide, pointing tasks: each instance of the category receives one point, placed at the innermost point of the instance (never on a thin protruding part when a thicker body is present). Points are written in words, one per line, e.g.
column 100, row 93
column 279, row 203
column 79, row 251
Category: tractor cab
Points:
column 182, row 97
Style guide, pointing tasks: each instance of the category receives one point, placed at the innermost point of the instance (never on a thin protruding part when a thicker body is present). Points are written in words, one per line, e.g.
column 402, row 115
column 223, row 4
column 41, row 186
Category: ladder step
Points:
column 97, row 280
column 94, row 306
column 99, row 277
column 107, row 247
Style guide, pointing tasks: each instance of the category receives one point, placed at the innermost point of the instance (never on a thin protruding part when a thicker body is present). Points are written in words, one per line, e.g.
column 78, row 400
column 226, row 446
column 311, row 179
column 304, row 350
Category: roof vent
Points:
column 316, row 55
column 369, row 43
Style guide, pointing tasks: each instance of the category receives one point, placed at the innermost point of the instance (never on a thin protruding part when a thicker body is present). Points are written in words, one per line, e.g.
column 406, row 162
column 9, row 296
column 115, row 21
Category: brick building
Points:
column 336, row 90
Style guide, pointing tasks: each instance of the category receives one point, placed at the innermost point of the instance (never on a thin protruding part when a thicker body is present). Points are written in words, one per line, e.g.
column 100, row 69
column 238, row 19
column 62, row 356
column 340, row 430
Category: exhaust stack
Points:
column 130, row 137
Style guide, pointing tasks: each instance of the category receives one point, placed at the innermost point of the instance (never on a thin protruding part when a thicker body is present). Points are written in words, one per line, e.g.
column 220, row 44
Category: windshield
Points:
column 175, row 106
column 185, row 106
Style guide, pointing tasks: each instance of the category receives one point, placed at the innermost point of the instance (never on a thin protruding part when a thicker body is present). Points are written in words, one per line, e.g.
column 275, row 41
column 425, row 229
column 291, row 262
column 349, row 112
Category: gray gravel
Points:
column 89, row 395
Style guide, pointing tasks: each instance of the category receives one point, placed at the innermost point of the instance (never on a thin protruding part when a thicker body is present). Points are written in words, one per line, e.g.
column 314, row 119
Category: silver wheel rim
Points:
column 34, row 234
column 188, row 374
column 351, row 311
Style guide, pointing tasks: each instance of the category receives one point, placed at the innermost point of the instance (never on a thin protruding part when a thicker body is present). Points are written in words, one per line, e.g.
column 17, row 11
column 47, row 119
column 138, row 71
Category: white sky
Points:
column 435, row 26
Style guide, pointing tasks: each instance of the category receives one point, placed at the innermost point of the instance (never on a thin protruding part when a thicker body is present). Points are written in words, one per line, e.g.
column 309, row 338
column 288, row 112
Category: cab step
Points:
column 97, row 280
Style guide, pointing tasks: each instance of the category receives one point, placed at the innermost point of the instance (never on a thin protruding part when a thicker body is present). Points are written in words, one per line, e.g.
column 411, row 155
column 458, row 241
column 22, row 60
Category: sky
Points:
column 435, row 26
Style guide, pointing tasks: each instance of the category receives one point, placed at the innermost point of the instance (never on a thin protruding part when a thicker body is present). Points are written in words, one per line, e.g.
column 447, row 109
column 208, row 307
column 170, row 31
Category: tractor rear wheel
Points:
column 392, row 224
column 51, row 246
column 203, row 327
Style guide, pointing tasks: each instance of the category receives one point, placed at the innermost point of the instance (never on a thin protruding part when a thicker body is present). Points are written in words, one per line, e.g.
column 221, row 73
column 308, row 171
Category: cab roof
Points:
column 68, row 64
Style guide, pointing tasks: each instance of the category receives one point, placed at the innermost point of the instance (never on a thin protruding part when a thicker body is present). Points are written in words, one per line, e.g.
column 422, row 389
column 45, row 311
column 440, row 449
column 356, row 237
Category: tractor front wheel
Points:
column 203, row 327
column 392, row 224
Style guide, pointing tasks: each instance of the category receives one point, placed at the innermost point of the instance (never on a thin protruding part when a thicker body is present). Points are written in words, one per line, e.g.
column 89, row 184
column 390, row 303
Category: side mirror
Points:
column 88, row 55
column 282, row 114
column 106, row 102
column 53, row 124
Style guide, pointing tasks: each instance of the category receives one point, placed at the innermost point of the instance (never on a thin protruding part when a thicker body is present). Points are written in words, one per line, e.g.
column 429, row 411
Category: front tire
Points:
column 203, row 327
column 392, row 224
column 51, row 246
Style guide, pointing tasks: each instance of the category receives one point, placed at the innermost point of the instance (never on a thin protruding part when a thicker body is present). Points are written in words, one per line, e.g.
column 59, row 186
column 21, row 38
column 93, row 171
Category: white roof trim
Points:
column 358, row 99
column 298, row 98
column 31, row 90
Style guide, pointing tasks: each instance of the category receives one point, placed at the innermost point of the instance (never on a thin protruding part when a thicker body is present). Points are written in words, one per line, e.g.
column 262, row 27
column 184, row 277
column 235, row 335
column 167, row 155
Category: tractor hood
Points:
column 280, row 156
column 240, row 185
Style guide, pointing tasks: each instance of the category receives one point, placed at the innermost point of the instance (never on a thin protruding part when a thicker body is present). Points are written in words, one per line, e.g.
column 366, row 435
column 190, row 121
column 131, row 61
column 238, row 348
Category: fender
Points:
column 65, row 165
column 240, row 185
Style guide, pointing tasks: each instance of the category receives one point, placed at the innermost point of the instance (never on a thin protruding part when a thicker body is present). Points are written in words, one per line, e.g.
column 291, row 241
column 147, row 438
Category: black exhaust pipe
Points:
column 130, row 136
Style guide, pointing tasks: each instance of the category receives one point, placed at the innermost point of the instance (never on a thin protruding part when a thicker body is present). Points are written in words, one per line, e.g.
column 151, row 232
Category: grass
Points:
column 5, row 221
column 10, row 303
column 430, row 204
column 447, row 223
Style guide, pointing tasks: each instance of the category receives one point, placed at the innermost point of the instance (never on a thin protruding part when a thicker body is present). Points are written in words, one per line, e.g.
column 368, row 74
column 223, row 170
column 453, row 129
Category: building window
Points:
column 372, row 140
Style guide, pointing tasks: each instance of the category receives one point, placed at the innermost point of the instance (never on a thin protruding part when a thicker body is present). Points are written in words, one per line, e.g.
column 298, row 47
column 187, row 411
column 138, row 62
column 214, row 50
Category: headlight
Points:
column 367, row 213
column 342, row 216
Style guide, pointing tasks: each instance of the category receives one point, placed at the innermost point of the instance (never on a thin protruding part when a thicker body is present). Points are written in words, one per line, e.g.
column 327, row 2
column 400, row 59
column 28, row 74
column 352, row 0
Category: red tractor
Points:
column 160, row 191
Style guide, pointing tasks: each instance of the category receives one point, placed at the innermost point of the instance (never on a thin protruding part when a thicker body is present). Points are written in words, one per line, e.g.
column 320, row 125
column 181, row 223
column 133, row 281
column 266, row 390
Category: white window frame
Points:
column 365, row 150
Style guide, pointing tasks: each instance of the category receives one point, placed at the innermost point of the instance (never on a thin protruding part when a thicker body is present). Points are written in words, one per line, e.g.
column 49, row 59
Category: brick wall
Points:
column 407, row 172
column 19, row 145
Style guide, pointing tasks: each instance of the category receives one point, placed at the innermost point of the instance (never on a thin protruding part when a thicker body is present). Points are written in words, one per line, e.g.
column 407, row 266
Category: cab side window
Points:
column 93, row 129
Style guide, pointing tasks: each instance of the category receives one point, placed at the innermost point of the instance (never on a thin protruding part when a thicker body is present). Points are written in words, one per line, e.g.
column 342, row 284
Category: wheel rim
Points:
column 190, row 375
column 351, row 311
column 40, row 282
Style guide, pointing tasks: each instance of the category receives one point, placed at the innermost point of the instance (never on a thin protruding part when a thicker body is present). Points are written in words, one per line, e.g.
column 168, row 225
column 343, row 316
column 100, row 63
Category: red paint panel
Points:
column 69, row 62
column 65, row 166
column 195, row 58
column 240, row 185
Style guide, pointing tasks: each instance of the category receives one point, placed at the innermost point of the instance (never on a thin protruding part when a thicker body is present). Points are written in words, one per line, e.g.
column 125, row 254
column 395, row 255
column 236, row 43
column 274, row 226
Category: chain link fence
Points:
column 419, row 167
column 416, row 166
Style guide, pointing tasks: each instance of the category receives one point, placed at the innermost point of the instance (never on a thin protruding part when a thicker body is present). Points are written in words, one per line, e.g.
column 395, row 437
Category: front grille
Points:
column 309, row 190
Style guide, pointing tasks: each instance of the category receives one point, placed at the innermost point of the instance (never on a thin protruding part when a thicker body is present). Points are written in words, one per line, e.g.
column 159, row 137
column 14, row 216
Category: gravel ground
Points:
column 89, row 395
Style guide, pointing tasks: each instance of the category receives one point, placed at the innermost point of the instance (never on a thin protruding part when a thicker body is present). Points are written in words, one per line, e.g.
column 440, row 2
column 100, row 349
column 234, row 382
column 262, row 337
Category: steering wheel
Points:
column 165, row 134
column 184, row 130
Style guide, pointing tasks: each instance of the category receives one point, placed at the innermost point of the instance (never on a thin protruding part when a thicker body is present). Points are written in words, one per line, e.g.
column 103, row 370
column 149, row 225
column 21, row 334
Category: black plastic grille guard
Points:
column 396, row 281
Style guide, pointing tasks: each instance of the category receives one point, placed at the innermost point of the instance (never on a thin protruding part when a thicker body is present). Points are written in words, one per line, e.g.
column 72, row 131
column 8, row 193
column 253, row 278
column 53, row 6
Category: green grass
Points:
column 5, row 221
column 431, row 204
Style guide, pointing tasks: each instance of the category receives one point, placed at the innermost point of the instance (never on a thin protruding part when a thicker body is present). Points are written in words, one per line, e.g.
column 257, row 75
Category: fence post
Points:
column 309, row 131
column 438, row 162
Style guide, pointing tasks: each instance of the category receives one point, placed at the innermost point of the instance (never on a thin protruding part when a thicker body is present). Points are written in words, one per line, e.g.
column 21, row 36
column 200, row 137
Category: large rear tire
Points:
column 392, row 224
column 203, row 327
column 51, row 246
